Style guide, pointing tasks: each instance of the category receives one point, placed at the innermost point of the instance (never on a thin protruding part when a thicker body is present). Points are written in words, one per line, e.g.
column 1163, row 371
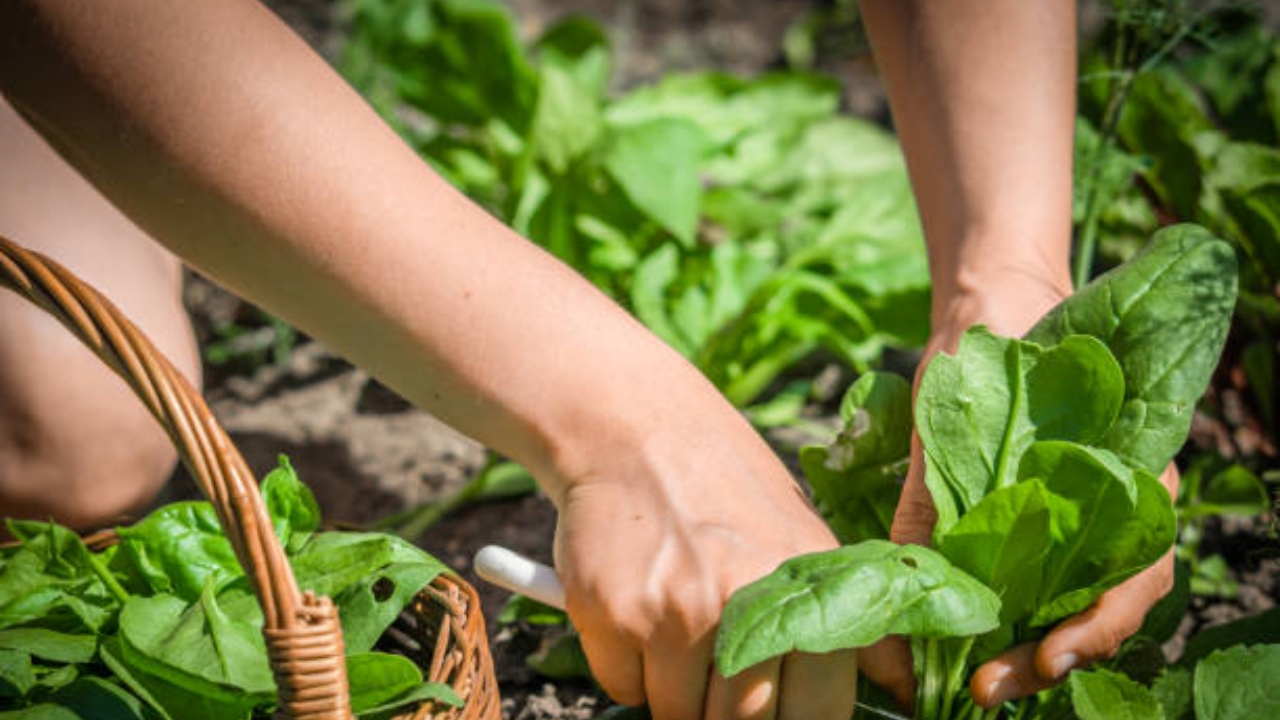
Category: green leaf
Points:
column 178, row 549
column 370, row 576
column 444, row 80
column 523, row 608
column 171, row 701
column 1002, row 542
column 855, row 479
column 1261, row 628
column 16, row 674
column 851, row 597
column 979, row 410
column 53, row 578
column 1172, row 689
column 566, row 121
column 1253, row 209
column 1233, row 491
column 656, row 165
column 437, row 692
column 88, row 698
column 370, row 606
column 560, row 656
column 1159, row 120
column 1164, row 315
column 212, row 646
column 1164, row 618
column 1239, row 683
column 295, row 515
column 375, row 678
column 50, row 645
column 1104, row 695
column 654, row 276
column 1110, row 523
column 580, row 46
column 727, row 108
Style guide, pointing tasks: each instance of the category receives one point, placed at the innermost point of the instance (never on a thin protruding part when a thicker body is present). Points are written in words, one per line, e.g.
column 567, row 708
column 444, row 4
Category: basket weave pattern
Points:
column 303, row 635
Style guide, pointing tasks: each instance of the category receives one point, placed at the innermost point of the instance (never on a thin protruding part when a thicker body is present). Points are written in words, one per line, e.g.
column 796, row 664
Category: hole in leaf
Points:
column 383, row 589
column 909, row 562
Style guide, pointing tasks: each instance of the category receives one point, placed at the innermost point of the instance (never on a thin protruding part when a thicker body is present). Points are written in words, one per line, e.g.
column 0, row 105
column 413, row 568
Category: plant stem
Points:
column 113, row 586
column 927, row 694
column 1123, row 79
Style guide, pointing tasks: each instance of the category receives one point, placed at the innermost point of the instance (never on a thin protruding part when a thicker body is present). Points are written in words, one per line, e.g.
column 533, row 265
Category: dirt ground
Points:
column 367, row 453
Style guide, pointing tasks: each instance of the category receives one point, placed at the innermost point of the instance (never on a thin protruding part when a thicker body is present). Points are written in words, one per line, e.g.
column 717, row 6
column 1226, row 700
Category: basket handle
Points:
column 304, row 637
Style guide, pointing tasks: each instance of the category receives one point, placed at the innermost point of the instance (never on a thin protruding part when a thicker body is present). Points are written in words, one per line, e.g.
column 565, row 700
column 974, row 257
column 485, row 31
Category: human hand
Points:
column 1011, row 308
column 651, row 542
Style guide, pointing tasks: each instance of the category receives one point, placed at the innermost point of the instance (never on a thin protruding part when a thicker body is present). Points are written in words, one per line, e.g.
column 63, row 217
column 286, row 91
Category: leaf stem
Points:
column 113, row 586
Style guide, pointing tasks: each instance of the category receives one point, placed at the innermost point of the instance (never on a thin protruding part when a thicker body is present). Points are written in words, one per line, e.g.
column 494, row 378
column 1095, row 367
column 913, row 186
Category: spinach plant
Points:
column 164, row 624
column 1042, row 456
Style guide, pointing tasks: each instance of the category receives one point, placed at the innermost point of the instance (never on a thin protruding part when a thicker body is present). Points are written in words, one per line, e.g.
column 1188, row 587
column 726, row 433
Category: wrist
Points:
column 1008, row 301
column 649, row 400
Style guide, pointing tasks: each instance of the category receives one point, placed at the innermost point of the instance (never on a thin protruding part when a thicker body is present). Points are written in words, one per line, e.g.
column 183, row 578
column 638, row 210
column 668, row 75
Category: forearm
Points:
column 983, row 95
column 222, row 135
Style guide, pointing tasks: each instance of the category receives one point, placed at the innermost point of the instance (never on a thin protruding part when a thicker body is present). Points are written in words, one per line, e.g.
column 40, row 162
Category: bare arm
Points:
column 983, row 92
column 228, row 140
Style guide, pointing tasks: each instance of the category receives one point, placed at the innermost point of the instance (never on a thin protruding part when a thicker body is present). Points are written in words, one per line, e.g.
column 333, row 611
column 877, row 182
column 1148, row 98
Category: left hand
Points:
column 1011, row 308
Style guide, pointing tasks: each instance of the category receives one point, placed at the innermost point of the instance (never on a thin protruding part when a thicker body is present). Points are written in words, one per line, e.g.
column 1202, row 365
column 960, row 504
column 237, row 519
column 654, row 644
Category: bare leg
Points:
column 75, row 445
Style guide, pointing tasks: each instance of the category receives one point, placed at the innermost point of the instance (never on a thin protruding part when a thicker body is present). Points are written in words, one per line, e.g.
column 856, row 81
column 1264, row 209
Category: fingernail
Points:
column 1003, row 688
column 1064, row 664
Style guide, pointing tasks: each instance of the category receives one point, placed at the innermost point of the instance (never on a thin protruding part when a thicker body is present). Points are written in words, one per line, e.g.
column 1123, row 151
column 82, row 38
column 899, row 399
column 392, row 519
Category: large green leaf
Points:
column 1239, row 683
column 178, row 549
column 978, row 410
column 1109, row 523
column 212, row 646
column 851, row 597
column 1164, row 315
column 656, row 165
column 370, row 576
column 169, row 700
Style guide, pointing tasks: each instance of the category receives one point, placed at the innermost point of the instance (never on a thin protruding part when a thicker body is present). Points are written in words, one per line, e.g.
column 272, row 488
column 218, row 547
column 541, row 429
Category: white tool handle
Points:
column 517, row 573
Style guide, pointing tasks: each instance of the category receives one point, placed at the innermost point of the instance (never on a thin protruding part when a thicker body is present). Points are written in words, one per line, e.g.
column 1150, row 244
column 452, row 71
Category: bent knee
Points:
column 81, row 469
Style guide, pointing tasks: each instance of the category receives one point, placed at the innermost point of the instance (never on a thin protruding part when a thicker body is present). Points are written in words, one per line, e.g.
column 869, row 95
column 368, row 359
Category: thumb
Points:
column 915, row 517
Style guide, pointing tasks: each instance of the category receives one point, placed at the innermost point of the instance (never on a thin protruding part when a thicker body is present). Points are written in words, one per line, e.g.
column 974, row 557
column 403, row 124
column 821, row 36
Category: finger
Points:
column 1097, row 633
column 818, row 686
column 888, row 664
column 1011, row 674
column 915, row 517
column 675, row 678
column 750, row 695
column 616, row 665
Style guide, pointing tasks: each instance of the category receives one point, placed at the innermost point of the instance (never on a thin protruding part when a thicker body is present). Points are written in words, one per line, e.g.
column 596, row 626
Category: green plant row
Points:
column 745, row 222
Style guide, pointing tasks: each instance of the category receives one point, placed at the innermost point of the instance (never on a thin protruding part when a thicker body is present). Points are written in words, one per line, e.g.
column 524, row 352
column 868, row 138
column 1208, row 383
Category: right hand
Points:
column 653, row 538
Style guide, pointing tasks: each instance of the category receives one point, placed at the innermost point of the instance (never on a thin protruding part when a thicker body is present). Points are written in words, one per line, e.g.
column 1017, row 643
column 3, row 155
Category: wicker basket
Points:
column 442, row 629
